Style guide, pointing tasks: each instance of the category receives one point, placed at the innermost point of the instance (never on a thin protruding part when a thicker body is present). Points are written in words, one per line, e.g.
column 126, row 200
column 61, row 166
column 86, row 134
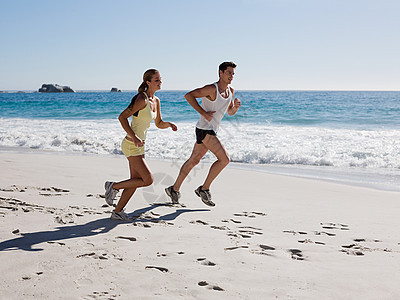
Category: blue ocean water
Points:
column 363, row 110
column 346, row 134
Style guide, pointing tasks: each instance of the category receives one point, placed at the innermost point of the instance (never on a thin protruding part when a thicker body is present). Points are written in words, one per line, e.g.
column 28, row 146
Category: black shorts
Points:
column 201, row 134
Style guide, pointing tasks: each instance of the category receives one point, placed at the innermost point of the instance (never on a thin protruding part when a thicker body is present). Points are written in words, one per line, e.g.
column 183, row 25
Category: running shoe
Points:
column 174, row 195
column 121, row 216
column 204, row 195
column 110, row 192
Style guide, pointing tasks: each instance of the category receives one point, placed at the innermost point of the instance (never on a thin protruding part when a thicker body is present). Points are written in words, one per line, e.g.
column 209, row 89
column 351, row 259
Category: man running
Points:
column 217, row 98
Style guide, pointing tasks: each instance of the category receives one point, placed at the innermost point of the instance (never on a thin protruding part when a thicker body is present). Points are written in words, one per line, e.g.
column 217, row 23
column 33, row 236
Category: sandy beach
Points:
column 268, row 237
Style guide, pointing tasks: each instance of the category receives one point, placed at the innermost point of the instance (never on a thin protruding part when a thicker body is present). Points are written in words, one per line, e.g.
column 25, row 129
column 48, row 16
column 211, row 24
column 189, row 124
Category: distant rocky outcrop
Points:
column 115, row 89
column 55, row 88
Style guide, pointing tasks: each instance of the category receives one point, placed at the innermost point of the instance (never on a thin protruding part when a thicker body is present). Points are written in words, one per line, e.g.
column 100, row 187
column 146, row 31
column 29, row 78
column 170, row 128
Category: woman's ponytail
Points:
column 147, row 76
column 143, row 87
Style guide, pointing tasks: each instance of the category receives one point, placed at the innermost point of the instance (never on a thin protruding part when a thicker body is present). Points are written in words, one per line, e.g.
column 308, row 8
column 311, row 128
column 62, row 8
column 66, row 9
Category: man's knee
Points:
column 225, row 159
column 194, row 161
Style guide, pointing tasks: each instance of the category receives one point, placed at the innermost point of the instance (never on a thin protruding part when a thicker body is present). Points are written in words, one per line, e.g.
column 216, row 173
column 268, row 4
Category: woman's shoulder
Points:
column 142, row 98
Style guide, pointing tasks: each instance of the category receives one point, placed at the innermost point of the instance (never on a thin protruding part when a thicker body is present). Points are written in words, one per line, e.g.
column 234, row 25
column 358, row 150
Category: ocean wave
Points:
column 246, row 143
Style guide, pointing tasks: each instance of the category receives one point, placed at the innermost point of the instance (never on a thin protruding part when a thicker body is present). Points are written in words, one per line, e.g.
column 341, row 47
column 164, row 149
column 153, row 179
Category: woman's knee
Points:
column 148, row 180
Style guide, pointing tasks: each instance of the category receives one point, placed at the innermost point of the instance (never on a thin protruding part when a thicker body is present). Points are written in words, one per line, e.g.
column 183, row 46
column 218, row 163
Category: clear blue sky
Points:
column 277, row 44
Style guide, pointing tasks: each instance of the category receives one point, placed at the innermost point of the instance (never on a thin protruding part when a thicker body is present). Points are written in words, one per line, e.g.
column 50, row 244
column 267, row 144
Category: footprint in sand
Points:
column 65, row 219
column 235, row 221
column 129, row 238
column 140, row 224
column 102, row 295
column 44, row 191
column 210, row 287
column 335, row 226
column 161, row 269
column 57, row 243
column 14, row 188
column 231, row 220
column 52, row 191
column 352, row 252
column 234, row 248
column 324, row 233
column 164, row 254
column 266, row 247
column 296, row 254
column 219, row 227
column 251, row 214
column 245, row 233
column 294, row 232
column 199, row 222
column 308, row 241
column 359, row 249
column 251, row 232
column 93, row 255
column 365, row 240
column 265, row 250
column 102, row 256
column 63, row 215
column 205, row 262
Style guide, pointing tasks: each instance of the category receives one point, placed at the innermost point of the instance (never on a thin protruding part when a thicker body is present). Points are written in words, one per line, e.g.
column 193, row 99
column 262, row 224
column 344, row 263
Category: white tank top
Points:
column 219, row 105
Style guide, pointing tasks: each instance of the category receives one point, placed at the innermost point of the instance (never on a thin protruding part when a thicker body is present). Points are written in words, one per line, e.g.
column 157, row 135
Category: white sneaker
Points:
column 121, row 216
column 110, row 193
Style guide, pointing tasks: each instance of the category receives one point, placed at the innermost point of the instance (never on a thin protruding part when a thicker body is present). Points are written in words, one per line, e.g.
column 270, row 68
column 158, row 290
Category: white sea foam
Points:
column 246, row 143
column 338, row 151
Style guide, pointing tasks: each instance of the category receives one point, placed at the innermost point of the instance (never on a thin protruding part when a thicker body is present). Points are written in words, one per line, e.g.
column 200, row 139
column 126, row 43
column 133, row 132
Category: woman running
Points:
column 144, row 108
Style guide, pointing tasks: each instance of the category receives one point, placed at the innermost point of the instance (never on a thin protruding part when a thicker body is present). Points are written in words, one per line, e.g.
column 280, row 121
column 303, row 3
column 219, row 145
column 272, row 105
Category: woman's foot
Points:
column 121, row 216
column 110, row 192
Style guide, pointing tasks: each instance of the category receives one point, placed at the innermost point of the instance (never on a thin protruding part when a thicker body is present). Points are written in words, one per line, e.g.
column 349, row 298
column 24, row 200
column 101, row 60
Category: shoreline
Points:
column 351, row 177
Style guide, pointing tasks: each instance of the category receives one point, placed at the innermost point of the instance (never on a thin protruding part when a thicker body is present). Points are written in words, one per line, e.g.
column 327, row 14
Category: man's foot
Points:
column 205, row 196
column 110, row 192
column 121, row 216
column 174, row 195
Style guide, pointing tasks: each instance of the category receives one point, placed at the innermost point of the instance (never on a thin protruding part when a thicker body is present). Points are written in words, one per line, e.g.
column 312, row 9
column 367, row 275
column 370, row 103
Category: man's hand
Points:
column 208, row 115
column 237, row 103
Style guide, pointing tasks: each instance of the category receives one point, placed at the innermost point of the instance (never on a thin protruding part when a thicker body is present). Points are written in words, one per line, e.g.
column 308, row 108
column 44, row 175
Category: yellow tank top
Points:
column 141, row 123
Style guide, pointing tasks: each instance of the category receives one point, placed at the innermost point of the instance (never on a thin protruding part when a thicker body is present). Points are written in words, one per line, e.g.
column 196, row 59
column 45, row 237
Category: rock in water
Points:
column 55, row 88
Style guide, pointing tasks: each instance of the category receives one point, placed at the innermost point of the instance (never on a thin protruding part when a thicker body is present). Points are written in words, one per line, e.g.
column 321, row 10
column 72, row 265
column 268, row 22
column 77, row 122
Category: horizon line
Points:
column 183, row 90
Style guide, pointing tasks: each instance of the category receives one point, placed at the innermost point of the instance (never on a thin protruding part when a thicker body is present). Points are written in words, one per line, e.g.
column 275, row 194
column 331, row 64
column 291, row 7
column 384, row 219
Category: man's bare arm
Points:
column 208, row 91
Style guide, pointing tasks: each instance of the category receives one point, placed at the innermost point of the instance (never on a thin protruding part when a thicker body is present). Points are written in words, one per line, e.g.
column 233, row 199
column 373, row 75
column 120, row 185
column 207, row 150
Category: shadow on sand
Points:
column 27, row 240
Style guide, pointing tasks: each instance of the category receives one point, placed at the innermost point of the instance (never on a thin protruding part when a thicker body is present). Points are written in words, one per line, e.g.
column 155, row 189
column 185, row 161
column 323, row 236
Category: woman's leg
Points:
column 140, row 176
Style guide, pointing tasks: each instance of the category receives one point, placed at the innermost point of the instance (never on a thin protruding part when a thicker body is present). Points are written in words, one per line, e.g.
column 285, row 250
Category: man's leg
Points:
column 212, row 143
column 199, row 150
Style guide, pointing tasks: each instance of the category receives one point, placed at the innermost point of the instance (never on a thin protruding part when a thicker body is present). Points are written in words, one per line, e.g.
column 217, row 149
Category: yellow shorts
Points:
column 129, row 148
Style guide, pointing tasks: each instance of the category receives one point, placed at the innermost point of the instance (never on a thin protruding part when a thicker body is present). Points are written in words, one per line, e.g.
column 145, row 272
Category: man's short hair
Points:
column 225, row 65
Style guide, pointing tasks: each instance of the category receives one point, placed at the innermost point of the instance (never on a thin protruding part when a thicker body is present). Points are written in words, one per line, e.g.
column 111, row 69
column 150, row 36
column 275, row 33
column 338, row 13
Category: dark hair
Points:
column 147, row 76
column 225, row 65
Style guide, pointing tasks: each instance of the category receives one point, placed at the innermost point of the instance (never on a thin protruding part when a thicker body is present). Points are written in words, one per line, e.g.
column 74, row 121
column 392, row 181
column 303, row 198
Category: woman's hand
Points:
column 138, row 142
